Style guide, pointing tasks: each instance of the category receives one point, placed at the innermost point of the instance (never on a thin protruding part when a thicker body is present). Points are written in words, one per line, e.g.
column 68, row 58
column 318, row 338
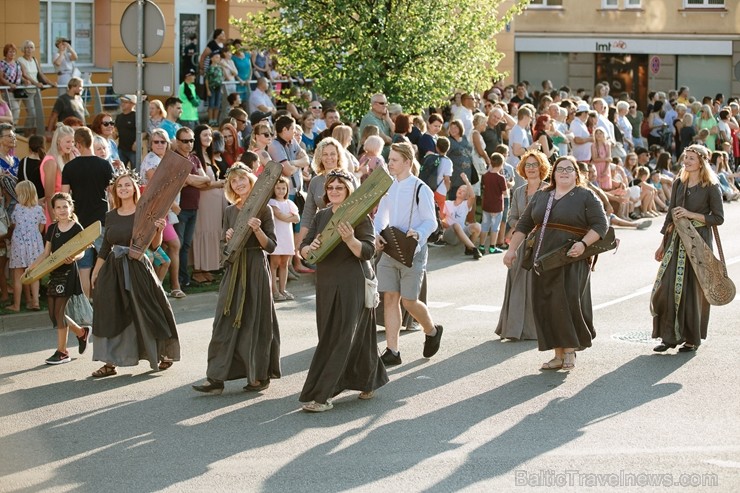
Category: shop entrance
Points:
column 625, row 73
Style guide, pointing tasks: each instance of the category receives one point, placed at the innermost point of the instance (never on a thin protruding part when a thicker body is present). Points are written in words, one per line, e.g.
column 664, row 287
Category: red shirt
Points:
column 494, row 187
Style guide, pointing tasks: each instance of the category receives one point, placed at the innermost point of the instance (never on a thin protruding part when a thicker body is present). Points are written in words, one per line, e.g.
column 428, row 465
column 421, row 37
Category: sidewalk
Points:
column 40, row 320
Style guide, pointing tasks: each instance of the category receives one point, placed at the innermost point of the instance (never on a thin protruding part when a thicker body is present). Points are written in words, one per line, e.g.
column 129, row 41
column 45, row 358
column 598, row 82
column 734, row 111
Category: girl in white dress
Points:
column 286, row 214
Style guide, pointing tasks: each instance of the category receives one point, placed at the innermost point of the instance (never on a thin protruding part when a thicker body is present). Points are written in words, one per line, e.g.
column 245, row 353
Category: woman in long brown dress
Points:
column 678, row 305
column 516, row 320
column 132, row 318
column 346, row 356
column 563, row 314
column 245, row 342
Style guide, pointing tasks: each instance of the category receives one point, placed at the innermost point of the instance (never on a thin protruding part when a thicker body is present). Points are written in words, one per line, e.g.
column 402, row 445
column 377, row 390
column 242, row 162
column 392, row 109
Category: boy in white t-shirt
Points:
column 455, row 212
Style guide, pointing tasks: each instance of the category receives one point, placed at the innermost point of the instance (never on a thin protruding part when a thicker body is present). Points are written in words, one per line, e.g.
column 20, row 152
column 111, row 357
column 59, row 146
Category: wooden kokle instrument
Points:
column 78, row 243
column 710, row 272
column 157, row 199
column 256, row 202
column 352, row 210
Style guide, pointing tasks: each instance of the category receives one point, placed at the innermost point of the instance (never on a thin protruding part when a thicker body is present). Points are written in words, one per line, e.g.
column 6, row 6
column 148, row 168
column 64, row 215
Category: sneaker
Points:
column 82, row 341
column 439, row 243
column 477, row 254
column 645, row 224
column 482, row 249
column 495, row 250
column 58, row 358
column 390, row 359
column 503, row 246
column 431, row 343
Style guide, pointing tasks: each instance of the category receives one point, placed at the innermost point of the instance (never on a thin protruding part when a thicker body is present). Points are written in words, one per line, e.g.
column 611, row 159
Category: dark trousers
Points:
column 185, row 229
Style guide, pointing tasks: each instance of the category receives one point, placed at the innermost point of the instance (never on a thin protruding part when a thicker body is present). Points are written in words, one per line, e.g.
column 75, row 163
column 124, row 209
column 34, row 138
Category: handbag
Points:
column 79, row 309
column 398, row 246
column 372, row 297
column 20, row 93
column 529, row 253
column 474, row 178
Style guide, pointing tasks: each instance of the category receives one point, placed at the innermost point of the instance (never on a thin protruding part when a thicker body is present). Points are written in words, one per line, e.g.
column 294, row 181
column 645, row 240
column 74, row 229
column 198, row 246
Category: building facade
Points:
column 636, row 45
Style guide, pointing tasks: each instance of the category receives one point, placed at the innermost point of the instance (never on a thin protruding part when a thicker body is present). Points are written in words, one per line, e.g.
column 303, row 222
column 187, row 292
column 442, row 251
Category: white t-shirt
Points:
column 444, row 169
column 582, row 152
column 517, row 135
column 456, row 214
column 259, row 98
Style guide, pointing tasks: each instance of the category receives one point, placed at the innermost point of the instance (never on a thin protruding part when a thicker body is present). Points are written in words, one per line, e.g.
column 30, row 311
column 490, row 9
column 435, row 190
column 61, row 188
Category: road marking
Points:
column 438, row 304
column 480, row 308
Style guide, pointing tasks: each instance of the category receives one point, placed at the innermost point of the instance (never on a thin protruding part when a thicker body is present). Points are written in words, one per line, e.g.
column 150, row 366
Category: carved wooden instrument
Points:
column 559, row 256
column 710, row 271
column 352, row 210
column 157, row 199
column 75, row 245
column 256, row 202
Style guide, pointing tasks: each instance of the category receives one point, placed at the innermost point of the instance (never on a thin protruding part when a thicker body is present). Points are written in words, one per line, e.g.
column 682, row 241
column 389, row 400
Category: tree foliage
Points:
column 415, row 51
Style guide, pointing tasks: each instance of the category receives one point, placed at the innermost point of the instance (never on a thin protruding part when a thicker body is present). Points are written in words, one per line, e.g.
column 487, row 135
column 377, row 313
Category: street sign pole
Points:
column 139, row 80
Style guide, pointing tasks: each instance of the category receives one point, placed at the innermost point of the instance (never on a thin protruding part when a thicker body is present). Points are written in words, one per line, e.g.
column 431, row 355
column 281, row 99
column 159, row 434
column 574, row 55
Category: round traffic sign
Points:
column 153, row 29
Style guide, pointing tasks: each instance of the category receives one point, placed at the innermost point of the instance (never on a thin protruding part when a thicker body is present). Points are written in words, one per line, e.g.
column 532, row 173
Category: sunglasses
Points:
column 160, row 141
column 266, row 134
column 241, row 121
column 338, row 188
column 186, row 141
column 383, row 103
column 315, row 107
column 107, row 124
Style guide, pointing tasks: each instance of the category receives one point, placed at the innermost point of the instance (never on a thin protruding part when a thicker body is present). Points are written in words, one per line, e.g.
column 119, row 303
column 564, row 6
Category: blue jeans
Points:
column 127, row 157
column 185, row 229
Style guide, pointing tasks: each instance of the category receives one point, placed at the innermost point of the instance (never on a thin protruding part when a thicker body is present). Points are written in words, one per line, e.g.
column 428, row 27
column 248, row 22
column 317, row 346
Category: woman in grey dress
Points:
column 245, row 342
column 516, row 320
column 563, row 314
column 132, row 317
column 346, row 356
column 461, row 155
column 696, row 196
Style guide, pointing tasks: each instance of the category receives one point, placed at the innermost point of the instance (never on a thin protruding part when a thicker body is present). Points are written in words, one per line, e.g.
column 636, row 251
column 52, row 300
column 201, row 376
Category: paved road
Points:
column 479, row 416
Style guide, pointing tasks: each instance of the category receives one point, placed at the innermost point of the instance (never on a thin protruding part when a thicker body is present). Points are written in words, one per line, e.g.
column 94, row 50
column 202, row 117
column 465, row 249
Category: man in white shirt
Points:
column 464, row 113
column 581, row 137
column 519, row 142
column 400, row 284
column 602, row 109
column 260, row 99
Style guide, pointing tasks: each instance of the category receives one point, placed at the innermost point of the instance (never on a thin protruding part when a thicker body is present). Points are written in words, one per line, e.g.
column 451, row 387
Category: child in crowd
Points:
column 494, row 189
column 26, row 243
column 214, row 81
column 286, row 214
column 371, row 157
column 456, row 231
column 649, row 200
column 64, row 280
column 510, row 175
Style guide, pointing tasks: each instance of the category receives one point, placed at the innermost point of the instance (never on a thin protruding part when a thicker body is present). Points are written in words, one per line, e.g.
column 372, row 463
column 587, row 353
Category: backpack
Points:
column 437, row 233
column 429, row 171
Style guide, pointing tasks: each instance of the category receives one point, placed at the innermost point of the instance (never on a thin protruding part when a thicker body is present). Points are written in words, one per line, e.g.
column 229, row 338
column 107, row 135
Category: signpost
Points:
column 142, row 33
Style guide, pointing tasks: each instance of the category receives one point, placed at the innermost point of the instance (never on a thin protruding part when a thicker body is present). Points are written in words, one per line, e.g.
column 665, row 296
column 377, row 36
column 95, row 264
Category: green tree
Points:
column 415, row 51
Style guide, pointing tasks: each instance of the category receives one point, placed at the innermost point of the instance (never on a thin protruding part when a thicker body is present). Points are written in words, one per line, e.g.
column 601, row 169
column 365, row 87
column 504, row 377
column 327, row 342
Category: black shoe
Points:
column 58, row 358
column 390, row 359
column 431, row 343
column 257, row 388
column 477, row 254
column 82, row 341
column 470, row 251
column 686, row 349
column 662, row 347
column 439, row 243
column 210, row 387
column 503, row 246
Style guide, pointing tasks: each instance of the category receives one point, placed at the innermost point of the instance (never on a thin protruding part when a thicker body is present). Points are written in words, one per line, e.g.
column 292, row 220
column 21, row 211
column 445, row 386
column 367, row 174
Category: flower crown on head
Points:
column 699, row 149
column 238, row 166
column 131, row 173
column 338, row 173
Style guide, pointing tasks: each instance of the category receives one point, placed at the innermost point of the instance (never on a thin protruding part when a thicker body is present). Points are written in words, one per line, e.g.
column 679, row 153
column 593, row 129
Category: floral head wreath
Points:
column 338, row 173
column 700, row 150
column 238, row 166
column 131, row 173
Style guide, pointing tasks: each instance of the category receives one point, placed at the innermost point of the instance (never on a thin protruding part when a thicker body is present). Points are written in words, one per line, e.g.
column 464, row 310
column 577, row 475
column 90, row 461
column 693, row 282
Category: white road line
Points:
column 480, row 308
column 438, row 304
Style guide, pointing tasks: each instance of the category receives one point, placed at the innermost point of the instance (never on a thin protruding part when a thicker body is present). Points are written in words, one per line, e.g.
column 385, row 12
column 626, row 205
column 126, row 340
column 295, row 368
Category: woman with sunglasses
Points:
column 245, row 342
column 346, row 356
column 563, row 212
column 104, row 126
column 261, row 138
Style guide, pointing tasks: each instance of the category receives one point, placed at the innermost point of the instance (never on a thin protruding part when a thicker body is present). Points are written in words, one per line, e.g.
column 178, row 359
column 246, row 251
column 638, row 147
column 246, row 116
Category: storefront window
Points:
column 71, row 19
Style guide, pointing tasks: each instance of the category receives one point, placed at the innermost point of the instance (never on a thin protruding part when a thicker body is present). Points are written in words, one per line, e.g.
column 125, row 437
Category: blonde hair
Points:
column 26, row 193
column 406, row 150
column 318, row 155
column 99, row 140
column 237, row 170
column 478, row 119
column 343, row 134
column 706, row 175
column 61, row 131
column 261, row 127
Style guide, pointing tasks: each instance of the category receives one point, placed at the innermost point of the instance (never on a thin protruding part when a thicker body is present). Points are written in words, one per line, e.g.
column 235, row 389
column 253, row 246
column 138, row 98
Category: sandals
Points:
column 165, row 364
column 316, row 407
column 104, row 371
column 366, row 396
column 287, row 296
column 177, row 293
column 553, row 364
column 569, row 362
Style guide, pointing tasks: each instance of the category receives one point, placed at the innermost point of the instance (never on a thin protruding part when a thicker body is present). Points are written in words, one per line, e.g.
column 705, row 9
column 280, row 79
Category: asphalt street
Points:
column 479, row 416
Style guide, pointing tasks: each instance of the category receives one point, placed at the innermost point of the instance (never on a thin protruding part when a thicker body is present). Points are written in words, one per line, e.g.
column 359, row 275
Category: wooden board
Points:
column 352, row 210
column 78, row 243
column 256, row 202
column 157, row 199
